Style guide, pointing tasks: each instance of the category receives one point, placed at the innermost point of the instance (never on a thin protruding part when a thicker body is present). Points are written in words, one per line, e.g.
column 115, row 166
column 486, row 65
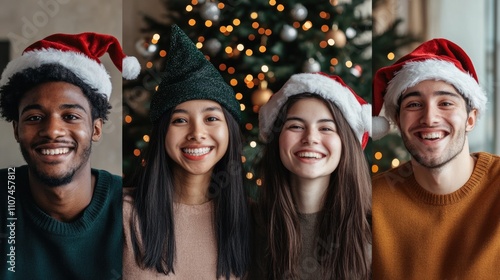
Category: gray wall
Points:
column 24, row 22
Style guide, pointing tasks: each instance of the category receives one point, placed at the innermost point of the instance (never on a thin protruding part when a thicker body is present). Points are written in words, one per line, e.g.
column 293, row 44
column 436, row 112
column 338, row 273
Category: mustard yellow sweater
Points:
column 420, row 235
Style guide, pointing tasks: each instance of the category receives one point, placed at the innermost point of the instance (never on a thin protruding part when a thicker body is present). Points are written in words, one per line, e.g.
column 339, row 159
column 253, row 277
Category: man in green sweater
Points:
column 436, row 216
column 60, row 219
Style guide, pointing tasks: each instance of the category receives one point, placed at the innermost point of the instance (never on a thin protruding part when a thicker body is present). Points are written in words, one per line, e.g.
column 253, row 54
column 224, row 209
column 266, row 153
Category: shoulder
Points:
column 393, row 177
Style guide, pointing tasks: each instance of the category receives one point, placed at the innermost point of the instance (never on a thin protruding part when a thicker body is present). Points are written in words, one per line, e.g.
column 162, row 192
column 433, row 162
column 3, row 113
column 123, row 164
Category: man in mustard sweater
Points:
column 436, row 216
column 60, row 219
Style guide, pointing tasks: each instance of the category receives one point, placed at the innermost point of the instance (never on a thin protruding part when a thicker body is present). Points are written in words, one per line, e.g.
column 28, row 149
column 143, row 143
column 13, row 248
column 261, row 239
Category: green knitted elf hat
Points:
column 188, row 76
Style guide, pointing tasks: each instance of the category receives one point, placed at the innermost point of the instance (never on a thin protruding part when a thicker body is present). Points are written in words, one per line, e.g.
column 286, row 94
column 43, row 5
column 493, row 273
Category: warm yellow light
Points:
column 254, row 15
column 395, row 162
column 149, row 64
column 255, row 25
column 156, row 37
column 240, row 47
column 222, row 67
column 280, row 8
column 323, row 44
column 272, row 2
column 236, row 22
column 233, row 82
column 229, row 28
column 269, row 32
column 249, row 52
column 231, row 70
column 262, row 49
column 243, row 159
column 208, row 23
column 128, row 119
column 242, row 107
column 163, row 53
column 239, row 96
column 378, row 155
column 307, row 25
column 189, row 8
column 228, row 49
column 137, row 152
column 248, row 126
column 192, row 22
column 222, row 29
column 199, row 45
column 253, row 144
column 264, row 68
column 194, row 2
column 331, row 42
column 248, row 78
column 374, row 168
column 275, row 58
column 325, row 28
column 145, row 138
column 259, row 182
column 348, row 64
column 334, row 61
column 220, row 5
column 249, row 175
column 391, row 56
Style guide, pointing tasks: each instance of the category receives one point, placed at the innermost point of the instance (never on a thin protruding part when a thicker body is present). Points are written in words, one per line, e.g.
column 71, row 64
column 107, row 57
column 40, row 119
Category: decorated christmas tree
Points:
column 256, row 45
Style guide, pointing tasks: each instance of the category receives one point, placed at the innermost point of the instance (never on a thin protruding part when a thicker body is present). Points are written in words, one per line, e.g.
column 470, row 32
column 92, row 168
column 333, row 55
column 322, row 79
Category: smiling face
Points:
column 310, row 146
column 434, row 122
column 55, row 132
column 197, row 137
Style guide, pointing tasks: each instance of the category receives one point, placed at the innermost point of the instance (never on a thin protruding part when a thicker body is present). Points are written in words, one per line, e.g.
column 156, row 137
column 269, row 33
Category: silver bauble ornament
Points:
column 213, row 46
column 299, row 12
column 311, row 65
column 288, row 33
column 210, row 11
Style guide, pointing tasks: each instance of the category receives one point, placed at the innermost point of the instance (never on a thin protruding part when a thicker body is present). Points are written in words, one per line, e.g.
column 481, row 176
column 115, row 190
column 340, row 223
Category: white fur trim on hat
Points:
column 358, row 116
column 130, row 68
column 415, row 72
column 90, row 71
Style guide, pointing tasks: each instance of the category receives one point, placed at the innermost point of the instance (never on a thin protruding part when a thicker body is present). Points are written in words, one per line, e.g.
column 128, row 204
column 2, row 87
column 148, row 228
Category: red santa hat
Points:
column 356, row 111
column 80, row 54
column 437, row 59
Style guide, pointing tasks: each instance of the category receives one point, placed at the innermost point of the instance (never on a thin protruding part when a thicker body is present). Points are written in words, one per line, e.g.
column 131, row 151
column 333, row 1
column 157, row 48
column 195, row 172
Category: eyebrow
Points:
column 206, row 109
column 438, row 93
column 62, row 106
column 302, row 120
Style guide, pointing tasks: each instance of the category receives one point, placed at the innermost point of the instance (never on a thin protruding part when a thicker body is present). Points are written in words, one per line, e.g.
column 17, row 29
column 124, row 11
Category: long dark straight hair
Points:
column 153, row 206
column 343, row 233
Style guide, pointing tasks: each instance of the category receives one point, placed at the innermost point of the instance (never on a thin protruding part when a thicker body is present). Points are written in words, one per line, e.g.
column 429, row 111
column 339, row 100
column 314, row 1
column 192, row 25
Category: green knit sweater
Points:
column 36, row 246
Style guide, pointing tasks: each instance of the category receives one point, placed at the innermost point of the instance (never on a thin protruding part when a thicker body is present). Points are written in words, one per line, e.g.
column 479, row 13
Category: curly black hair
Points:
column 12, row 93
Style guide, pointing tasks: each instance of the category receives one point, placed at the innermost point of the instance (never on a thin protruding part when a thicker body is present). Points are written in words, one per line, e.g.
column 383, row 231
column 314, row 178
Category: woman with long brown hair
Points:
column 316, row 201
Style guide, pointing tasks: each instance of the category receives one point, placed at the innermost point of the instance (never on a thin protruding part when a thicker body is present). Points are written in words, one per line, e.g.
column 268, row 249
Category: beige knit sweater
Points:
column 196, row 249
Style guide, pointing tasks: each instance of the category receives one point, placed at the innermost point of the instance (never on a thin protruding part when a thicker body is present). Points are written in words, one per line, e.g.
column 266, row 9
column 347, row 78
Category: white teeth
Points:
column 197, row 151
column 52, row 152
column 309, row 155
column 432, row 135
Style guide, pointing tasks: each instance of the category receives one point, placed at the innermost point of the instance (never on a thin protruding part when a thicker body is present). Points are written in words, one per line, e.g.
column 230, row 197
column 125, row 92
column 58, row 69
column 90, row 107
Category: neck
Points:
column 309, row 193
column 446, row 179
column 64, row 203
column 191, row 189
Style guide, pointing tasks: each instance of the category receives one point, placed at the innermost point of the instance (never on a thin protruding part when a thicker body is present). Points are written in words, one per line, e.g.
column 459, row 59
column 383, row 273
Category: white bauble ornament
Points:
column 210, row 11
column 212, row 46
column 288, row 33
column 299, row 12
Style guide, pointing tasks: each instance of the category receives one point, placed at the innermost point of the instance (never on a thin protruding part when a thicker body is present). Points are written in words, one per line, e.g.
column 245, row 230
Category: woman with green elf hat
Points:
column 186, row 216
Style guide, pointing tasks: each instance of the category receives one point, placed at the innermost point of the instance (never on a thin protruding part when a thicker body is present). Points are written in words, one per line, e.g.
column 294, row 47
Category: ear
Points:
column 471, row 120
column 97, row 133
column 15, row 126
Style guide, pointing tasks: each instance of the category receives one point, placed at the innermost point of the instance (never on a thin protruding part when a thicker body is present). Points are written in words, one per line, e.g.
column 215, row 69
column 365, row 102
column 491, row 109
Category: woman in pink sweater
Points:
column 187, row 216
column 316, row 198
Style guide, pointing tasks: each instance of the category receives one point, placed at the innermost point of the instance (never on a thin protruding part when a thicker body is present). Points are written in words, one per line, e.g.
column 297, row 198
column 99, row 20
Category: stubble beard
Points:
column 56, row 181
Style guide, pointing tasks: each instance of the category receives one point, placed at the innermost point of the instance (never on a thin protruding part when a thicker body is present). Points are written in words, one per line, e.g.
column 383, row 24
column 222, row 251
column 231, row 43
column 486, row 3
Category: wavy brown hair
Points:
column 343, row 233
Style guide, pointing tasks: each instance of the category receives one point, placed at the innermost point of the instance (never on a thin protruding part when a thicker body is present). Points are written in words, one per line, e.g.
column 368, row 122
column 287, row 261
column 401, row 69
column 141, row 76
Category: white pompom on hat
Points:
column 80, row 54
column 437, row 59
column 356, row 110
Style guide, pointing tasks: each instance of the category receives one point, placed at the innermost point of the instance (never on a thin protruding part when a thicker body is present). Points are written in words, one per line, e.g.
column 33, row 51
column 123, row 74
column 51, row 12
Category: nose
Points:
column 310, row 137
column 52, row 128
column 197, row 131
column 430, row 115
